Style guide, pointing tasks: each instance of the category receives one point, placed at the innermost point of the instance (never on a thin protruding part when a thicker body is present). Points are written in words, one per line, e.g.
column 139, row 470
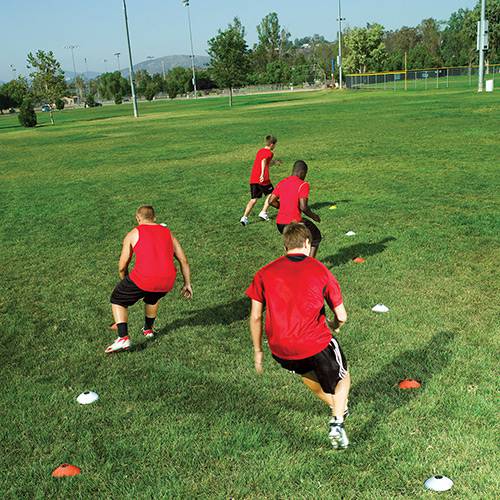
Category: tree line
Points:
column 274, row 59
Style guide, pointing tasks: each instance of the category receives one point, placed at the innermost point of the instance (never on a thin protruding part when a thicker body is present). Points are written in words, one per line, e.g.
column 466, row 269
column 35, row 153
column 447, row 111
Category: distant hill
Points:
column 152, row 66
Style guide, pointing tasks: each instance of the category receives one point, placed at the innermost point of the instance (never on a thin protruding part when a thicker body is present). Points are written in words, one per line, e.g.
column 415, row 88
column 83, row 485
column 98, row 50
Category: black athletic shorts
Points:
column 257, row 190
column 127, row 293
column 329, row 366
column 315, row 232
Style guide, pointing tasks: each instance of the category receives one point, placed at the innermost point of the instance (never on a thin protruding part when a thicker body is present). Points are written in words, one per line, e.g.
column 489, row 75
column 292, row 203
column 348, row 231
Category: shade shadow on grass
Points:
column 381, row 390
column 346, row 254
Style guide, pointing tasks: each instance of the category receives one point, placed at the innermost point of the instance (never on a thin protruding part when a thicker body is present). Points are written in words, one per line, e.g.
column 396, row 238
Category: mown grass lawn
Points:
column 415, row 175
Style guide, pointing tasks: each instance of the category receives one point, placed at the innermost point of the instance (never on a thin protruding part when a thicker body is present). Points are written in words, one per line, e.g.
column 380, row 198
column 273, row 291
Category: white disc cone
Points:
column 163, row 224
column 438, row 483
column 380, row 308
column 87, row 397
column 350, row 233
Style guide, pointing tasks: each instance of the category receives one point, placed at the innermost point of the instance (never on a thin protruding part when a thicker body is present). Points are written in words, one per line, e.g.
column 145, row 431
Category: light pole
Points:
column 72, row 48
column 86, row 69
column 131, row 65
column 117, row 55
column 13, row 68
column 339, row 62
column 482, row 42
column 106, row 65
column 186, row 3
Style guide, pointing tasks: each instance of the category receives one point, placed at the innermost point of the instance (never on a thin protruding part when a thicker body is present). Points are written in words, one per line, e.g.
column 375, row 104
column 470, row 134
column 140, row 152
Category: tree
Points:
column 48, row 82
column 59, row 104
column 6, row 101
column 274, row 41
column 112, row 84
column 229, row 63
column 366, row 49
column 16, row 90
column 27, row 115
column 79, row 84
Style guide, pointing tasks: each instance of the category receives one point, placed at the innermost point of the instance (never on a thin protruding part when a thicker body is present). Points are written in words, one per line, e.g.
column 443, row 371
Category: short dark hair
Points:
column 295, row 235
column 146, row 212
column 270, row 139
column 299, row 166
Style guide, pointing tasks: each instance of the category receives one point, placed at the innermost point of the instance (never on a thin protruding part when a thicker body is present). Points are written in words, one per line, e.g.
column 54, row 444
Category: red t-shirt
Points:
column 262, row 154
column 289, row 191
column 154, row 269
column 294, row 289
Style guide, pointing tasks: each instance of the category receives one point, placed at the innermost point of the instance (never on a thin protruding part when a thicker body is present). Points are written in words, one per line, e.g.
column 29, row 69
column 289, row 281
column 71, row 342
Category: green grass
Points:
column 414, row 175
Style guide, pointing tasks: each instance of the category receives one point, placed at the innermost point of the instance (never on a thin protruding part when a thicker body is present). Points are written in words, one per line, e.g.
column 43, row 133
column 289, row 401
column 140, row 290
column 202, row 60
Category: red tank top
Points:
column 154, row 269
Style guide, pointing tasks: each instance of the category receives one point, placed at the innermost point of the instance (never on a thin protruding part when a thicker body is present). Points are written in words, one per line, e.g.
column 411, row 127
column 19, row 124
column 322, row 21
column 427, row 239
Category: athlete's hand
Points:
column 258, row 358
column 261, row 178
column 187, row 292
column 333, row 325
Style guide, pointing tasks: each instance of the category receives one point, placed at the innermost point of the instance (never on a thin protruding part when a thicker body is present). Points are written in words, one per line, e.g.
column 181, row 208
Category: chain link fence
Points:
column 422, row 79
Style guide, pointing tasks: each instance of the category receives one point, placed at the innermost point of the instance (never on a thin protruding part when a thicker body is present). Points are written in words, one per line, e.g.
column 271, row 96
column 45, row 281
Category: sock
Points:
column 148, row 323
column 338, row 420
column 122, row 329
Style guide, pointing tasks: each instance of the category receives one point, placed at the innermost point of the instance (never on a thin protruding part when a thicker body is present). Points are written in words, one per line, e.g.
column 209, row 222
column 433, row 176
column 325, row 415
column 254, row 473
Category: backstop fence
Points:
column 422, row 79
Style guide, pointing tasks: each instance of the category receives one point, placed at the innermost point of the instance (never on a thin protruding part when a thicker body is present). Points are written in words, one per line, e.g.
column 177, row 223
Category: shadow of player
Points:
column 346, row 254
column 381, row 393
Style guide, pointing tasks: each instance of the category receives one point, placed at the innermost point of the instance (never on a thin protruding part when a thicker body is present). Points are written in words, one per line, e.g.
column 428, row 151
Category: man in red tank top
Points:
column 152, row 277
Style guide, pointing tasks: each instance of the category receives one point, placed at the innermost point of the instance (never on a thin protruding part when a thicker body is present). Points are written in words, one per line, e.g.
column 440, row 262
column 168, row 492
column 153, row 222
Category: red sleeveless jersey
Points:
column 154, row 269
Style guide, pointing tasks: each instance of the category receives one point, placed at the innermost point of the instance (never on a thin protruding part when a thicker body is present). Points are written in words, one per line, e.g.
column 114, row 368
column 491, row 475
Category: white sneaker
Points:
column 120, row 344
column 338, row 435
column 264, row 216
column 244, row 221
column 148, row 333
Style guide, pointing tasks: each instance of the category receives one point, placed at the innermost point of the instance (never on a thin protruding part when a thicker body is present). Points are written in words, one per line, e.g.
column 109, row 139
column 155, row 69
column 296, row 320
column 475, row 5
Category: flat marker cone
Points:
column 358, row 260
column 66, row 470
column 409, row 383
column 333, row 207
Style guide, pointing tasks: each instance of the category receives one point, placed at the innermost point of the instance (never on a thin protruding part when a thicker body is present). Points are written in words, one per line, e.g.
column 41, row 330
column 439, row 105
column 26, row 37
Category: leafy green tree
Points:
column 229, row 64
column 90, row 101
column 274, row 42
column 6, row 101
column 17, row 90
column 110, row 85
column 59, row 104
column 47, row 77
column 366, row 49
column 27, row 115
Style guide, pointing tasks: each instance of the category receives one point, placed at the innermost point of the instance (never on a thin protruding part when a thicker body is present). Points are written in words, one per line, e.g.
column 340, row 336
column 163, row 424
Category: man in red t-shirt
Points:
column 260, row 182
column 291, row 199
column 152, row 277
column 293, row 289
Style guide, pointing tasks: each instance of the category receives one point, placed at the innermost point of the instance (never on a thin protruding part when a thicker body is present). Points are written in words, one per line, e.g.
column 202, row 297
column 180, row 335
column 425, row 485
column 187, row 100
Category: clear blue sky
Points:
column 159, row 27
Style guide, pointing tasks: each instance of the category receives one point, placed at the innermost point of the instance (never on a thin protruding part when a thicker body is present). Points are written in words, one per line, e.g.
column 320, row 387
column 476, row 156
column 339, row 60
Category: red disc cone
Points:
column 409, row 383
column 359, row 260
column 66, row 470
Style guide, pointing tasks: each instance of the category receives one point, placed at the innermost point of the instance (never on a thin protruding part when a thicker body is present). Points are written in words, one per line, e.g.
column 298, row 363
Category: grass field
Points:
column 416, row 176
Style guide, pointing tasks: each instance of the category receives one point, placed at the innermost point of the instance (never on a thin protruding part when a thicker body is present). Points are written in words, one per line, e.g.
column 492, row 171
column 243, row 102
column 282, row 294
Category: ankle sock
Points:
column 122, row 329
column 148, row 323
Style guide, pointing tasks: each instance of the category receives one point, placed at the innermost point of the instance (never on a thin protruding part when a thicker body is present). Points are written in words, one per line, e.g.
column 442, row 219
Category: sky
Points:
column 159, row 27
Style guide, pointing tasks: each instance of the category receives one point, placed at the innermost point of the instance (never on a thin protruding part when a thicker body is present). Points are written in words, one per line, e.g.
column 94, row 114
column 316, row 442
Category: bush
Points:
column 27, row 115
column 118, row 98
column 90, row 101
column 59, row 104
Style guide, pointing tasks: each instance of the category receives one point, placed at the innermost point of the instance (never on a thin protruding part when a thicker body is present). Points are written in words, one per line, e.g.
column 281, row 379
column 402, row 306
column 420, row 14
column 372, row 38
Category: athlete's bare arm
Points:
column 339, row 319
column 304, row 208
column 256, row 333
column 274, row 201
column 127, row 251
column 179, row 254
column 262, row 168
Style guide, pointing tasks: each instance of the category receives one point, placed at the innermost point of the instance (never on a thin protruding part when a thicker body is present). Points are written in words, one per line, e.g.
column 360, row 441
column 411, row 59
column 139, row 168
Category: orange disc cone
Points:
column 359, row 260
column 409, row 383
column 66, row 470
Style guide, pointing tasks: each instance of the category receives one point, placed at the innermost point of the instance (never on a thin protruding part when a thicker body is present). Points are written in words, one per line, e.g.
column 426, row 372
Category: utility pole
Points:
column 117, row 55
column 106, row 65
column 482, row 43
column 339, row 62
column 131, row 65
column 186, row 3
column 13, row 68
column 72, row 48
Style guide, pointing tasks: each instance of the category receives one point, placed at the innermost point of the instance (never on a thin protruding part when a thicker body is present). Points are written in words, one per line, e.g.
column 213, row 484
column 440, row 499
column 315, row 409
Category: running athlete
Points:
column 291, row 199
column 260, row 182
column 152, row 277
column 293, row 289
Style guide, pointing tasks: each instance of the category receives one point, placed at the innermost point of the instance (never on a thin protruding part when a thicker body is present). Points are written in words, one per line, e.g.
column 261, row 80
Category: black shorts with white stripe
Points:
column 329, row 366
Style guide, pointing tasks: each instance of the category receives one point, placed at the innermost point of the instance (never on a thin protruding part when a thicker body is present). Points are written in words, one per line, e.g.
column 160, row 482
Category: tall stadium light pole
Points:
column 340, row 19
column 72, row 48
column 131, row 64
column 481, row 40
column 117, row 55
column 13, row 69
column 106, row 65
column 186, row 3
